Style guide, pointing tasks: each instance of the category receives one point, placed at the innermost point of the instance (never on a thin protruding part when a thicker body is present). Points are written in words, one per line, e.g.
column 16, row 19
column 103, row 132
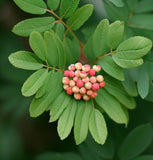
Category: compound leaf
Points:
column 53, row 4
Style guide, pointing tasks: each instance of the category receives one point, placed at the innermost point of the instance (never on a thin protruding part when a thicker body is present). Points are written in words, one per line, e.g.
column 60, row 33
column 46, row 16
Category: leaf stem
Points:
column 48, row 67
column 93, row 106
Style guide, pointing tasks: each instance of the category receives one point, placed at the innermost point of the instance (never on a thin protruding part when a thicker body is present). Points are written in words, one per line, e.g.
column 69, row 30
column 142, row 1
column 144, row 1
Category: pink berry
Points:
column 67, row 73
column 75, row 89
column 100, row 78
column 83, row 74
column 66, row 87
column 95, row 86
column 77, row 96
column 102, row 84
column 72, row 74
column 89, row 92
column 69, row 91
column 65, row 80
column 88, row 85
column 83, row 90
column 78, row 66
column 77, row 73
column 75, row 79
column 86, row 97
column 72, row 83
column 94, row 95
column 86, row 68
column 71, row 67
column 91, row 72
column 93, row 79
column 85, row 80
column 80, row 83
column 97, row 68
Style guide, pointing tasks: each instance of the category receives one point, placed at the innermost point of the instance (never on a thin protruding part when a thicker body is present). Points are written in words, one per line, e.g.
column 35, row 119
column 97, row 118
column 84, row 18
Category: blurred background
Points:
column 22, row 137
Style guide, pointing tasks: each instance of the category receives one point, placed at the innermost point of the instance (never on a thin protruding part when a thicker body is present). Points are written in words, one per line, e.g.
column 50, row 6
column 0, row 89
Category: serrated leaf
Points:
column 65, row 122
column 55, row 51
column 38, row 106
column 37, row 44
column 145, row 157
column 144, row 6
column 24, row 28
column 34, row 82
column 136, row 142
column 53, row 4
column 115, row 34
column 111, row 106
column 67, row 7
column 60, row 30
column 118, row 3
column 97, row 127
column 25, row 60
column 129, row 52
column 99, row 38
column 80, row 17
column 32, row 6
column 82, row 121
column 58, row 106
column 110, row 67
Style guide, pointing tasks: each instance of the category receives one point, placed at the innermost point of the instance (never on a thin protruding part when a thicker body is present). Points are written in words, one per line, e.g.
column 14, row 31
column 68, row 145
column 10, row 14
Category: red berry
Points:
column 72, row 74
column 85, row 80
column 86, row 97
column 100, row 78
column 88, row 85
column 72, row 83
column 66, row 87
column 97, row 68
column 93, row 79
column 75, row 89
column 102, row 84
column 94, row 95
column 75, row 79
column 89, row 92
column 95, row 86
column 77, row 73
column 77, row 96
column 72, row 67
column 80, row 83
column 83, row 90
column 86, row 68
column 91, row 72
column 65, row 80
column 67, row 73
column 78, row 66
column 69, row 91
column 83, row 74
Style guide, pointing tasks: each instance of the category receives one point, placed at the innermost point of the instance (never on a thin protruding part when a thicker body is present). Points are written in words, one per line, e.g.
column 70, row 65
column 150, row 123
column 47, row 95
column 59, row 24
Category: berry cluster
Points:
column 81, row 80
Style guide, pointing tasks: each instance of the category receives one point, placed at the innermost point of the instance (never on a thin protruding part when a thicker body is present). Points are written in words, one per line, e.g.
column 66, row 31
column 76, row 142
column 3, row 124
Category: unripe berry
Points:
column 95, row 86
column 91, row 72
column 72, row 74
column 71, row 67
column 65, row 80
column 69, row 91
column 77, row 96
column 88, row 85
column 78, row 66
column 83, row 74
column 102, row 84
column 75, row 89
column 89, row 92
column 77, row 73
column 72, row 83
column 83, row 90
column 97, row 68
column 75, row 79
column 67, row 73
column 66, row 87
column 85, row 80
column 100, row 78
column 94, row 95
column 93, row 79
column 80, row 83
column 86, row 68
column 86, row 97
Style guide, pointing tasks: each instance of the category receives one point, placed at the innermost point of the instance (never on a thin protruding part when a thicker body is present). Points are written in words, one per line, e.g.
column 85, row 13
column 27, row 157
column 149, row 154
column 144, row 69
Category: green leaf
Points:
column 143, row 81
column 142, row 21
column 129, row 85
column 132, row 4
column 24, row 28
column 37, row 44
column 34, row 82
column 111, row 106
column 129, row 52
column 32, row 6
column 82, row 121
column 144, row 6
column 97, row 127
column 54, row 48
column 53, row 4
column 146, row 157
column 115, row 34
column 65, row 122
column 67, row 7
column 118, row 3
column 39, row 105
column 58, row 106
column 110, row 67
column 99, row 38
column 80, row 17
column 60, row 30
column 136, row 142
column 25, row 60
